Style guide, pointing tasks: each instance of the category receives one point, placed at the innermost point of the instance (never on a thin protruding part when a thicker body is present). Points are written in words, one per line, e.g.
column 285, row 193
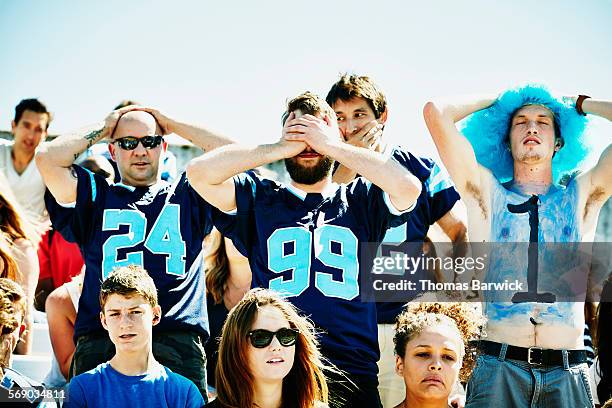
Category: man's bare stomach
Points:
column 552, row 326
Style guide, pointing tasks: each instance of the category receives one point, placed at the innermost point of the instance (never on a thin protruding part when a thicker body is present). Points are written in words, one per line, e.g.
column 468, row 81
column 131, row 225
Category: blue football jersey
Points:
column 160, row 227
column 438, row 196
column 307, row 247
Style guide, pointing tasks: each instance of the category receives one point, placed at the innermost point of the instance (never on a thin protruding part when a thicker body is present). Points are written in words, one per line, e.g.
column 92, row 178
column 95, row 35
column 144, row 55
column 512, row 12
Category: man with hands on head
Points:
column 141, row 220
column 507, row 162
column 303, row 239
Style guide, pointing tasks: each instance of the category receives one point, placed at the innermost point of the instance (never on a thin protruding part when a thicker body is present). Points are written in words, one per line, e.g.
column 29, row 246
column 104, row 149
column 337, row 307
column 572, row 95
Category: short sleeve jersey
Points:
column 438, row 196
column 307, row 247
column 160, row 227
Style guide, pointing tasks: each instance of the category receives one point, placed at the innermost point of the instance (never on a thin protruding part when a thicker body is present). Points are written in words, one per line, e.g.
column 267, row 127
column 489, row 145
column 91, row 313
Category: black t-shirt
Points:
column 213, row 404
column 217, row 313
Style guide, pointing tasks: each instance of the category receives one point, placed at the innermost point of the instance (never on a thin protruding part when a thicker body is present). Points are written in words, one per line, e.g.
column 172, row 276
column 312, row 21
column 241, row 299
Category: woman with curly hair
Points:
column 432, row 350
column 268, row 357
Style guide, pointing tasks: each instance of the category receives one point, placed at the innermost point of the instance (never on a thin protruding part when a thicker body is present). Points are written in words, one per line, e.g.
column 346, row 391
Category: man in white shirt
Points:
column 29, row 129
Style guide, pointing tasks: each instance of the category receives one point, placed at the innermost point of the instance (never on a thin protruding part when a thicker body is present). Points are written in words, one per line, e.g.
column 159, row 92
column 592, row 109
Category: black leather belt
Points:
column 535, row 356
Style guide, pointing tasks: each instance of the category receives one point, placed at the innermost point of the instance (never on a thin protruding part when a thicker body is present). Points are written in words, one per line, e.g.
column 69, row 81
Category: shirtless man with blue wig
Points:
column 507, row 162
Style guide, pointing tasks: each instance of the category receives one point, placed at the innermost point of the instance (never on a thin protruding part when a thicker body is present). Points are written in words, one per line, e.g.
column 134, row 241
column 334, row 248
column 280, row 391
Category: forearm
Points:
column 598, row 107
column 64, row 150
column 383, row 171
column 223, row 163
column 203, row 138
column 343, row 175
column 458, row 108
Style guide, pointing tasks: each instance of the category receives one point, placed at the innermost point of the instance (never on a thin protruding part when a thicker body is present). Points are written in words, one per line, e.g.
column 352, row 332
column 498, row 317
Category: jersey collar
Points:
column 329, row 191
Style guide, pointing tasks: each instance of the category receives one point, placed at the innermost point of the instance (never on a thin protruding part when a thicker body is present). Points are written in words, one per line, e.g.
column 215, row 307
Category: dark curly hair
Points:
column 461, row 316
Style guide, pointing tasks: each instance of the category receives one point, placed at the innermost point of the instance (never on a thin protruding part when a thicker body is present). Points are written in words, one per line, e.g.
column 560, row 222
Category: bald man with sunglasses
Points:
column 140, row 220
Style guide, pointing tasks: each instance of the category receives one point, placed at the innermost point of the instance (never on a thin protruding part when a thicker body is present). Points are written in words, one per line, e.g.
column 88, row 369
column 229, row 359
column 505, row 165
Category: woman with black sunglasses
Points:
column 268, row 357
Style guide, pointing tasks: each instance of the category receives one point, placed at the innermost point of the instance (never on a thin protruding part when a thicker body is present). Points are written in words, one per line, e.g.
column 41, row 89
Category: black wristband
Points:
column 579, row 101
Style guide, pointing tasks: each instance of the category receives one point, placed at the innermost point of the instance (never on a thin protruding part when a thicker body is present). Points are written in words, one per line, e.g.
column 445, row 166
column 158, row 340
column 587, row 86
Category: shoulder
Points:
column 58, row 300
column 412, row 161
column 176, row 379
column 358, row 185
column 258, row 185
column 88, row 376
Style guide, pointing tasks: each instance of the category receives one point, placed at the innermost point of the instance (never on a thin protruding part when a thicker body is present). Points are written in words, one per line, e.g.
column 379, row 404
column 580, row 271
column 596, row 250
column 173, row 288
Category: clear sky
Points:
column 231, row 65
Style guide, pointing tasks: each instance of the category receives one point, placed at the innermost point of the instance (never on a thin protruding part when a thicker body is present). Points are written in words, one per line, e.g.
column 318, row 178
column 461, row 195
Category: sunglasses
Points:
column 261, row 338
column 131, row 142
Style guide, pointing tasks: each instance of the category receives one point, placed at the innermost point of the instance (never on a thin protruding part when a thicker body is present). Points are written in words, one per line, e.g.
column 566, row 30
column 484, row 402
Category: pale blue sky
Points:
column 231, row 65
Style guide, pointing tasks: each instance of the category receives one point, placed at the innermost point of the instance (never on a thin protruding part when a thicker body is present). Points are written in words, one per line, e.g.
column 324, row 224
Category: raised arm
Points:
column 211, row 174
column 369, row 137
column 455, row 150
column 601, row 174
column 54, row 159
column 323, row 136
column 205, row 139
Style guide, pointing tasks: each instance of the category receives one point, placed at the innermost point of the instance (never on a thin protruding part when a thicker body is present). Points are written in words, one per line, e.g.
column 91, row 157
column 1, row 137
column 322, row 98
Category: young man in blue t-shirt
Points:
column 132, row 378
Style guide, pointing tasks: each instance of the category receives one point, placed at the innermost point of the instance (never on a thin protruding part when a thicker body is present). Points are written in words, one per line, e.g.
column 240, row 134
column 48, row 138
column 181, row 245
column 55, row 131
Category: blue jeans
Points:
column 499, row 382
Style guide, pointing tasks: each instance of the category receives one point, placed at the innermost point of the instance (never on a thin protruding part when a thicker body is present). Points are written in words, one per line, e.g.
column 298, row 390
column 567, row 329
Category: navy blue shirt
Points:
column 438, row 196
column 307, row 247
column 160, row 227
column 217, row 313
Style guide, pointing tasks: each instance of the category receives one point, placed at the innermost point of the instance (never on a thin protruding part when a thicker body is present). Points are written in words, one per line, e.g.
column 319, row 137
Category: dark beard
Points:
column 308, row 175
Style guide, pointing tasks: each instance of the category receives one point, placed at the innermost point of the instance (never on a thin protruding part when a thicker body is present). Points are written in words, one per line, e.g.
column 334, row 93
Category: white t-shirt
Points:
column 28, row 186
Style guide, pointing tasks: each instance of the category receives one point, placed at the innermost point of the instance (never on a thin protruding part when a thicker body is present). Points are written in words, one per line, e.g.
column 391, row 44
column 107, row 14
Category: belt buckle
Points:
column 539, row 356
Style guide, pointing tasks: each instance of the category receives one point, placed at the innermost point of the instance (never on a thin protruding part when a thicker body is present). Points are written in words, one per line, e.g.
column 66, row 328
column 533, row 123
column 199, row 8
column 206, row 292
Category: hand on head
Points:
column 292, row 146
column 111, row 121
column 313, row 131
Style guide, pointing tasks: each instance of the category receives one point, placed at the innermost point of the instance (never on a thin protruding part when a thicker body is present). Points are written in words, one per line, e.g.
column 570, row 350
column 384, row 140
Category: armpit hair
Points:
column 475, row 192
column 596, row 196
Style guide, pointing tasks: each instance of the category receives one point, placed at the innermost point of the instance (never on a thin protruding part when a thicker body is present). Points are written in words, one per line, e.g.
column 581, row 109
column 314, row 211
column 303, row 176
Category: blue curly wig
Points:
column 488, row 129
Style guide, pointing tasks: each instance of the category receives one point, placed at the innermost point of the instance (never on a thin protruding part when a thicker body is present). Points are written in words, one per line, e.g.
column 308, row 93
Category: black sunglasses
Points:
column 131, row 142
column 261, row 338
